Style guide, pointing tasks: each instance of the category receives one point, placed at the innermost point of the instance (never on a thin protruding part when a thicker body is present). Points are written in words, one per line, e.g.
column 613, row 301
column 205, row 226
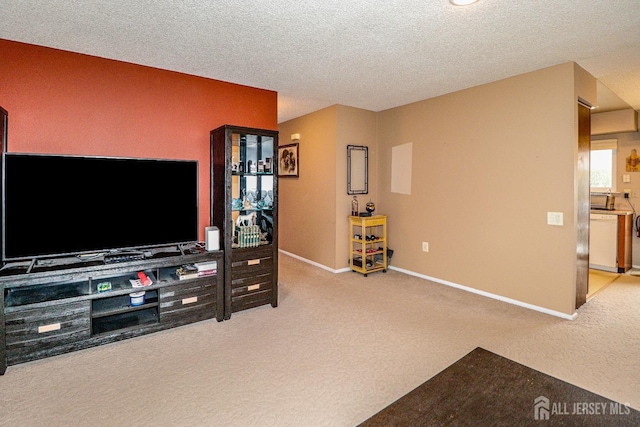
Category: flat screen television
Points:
column 56, row 205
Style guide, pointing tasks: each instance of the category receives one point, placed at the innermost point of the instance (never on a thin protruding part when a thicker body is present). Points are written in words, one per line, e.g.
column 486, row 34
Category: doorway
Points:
column 583, row 202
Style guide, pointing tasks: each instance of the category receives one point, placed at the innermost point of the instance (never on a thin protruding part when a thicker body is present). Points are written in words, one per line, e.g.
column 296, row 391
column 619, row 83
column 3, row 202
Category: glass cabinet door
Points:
column 252, row 174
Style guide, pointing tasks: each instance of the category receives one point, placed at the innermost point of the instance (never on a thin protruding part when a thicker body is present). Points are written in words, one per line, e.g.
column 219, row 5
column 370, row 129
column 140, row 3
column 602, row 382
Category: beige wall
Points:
column 313, row 208
column 614, row 122
column 355, row 127
column 488, row 164
column 307, row 205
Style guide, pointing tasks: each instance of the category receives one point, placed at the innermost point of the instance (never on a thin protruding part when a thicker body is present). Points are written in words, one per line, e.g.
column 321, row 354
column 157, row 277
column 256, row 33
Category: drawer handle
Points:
column 253, row 287
column 48, row 328
column 253, row 261
column 189, row 300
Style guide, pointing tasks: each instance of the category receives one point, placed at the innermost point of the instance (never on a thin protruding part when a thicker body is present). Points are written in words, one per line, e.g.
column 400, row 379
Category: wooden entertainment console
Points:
column 53, row 309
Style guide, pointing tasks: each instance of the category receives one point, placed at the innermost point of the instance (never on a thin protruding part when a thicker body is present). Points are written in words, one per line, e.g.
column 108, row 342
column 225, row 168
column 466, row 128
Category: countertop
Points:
column 614, row 212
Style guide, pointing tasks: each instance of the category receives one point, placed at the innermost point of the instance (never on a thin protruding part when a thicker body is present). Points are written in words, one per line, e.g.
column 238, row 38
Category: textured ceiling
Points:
column 370, row 54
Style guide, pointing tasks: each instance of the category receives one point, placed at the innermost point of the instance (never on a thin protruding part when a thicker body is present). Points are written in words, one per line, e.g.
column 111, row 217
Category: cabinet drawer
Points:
column 189, row 302
column 245, row 300
column 33, row 333
column 251, row 264
column 252, row 281
column 259, row 281
column 252, row 253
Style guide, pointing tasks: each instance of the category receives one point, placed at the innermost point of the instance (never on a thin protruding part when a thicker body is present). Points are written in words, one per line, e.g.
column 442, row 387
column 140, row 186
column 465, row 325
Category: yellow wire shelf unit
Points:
column 368, row 244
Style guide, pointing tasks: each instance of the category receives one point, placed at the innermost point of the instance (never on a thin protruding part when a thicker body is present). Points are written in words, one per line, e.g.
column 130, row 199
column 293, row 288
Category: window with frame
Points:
column 603, row 165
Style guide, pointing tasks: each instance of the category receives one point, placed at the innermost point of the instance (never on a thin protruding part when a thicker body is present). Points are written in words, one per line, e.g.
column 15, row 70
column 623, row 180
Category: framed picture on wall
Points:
column 289, row 161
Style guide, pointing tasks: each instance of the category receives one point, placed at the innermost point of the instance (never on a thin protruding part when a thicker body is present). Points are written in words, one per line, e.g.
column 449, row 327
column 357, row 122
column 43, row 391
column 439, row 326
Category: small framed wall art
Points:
column 289, row 161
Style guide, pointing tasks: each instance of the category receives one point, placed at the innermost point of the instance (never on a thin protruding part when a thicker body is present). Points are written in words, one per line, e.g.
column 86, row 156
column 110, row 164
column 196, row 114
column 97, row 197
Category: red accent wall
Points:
column 61, row 102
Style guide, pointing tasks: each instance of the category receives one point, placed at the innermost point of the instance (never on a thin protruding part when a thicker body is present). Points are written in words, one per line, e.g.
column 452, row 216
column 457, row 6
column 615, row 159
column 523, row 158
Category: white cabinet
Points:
column 610, row 241
column 603, row 242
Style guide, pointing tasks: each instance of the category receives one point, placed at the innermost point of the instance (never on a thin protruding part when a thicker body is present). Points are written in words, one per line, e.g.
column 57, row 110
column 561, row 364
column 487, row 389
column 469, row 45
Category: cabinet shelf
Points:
column 120, row 304
column 253, row 209
column 122, row 321
column 359, row 253
column 15, row 297
column 252, row 174
column 121, row 283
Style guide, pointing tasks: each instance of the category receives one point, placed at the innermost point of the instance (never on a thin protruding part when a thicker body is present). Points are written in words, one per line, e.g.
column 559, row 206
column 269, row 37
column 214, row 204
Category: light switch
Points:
column 626, row 178
column 555, row 218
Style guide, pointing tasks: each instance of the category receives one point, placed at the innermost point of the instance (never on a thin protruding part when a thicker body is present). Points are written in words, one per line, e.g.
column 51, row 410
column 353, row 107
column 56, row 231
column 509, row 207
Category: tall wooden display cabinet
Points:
column 244, row 206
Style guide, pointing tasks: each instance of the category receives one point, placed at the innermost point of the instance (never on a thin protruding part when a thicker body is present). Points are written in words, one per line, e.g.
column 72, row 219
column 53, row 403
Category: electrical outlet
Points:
column 425, row 246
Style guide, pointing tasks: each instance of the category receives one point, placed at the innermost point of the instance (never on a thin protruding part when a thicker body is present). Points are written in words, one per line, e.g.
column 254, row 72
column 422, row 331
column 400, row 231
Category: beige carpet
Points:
column 339, row 348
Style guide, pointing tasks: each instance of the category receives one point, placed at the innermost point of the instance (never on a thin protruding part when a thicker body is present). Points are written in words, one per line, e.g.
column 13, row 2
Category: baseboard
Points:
column 308, row 261
column 447, row 283
column 489, row 295
column 635, row 271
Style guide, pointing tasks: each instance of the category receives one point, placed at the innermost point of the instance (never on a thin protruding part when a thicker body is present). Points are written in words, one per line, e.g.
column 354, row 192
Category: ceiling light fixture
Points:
column 462, row 2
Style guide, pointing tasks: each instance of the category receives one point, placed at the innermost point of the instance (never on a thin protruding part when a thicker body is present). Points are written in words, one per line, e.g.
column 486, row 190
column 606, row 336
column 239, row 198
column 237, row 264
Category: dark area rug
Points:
column 485, row 389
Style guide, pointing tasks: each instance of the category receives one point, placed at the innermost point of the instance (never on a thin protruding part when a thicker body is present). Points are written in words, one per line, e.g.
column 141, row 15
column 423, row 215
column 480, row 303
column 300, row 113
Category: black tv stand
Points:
column 99, row 258
column 56, row 307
